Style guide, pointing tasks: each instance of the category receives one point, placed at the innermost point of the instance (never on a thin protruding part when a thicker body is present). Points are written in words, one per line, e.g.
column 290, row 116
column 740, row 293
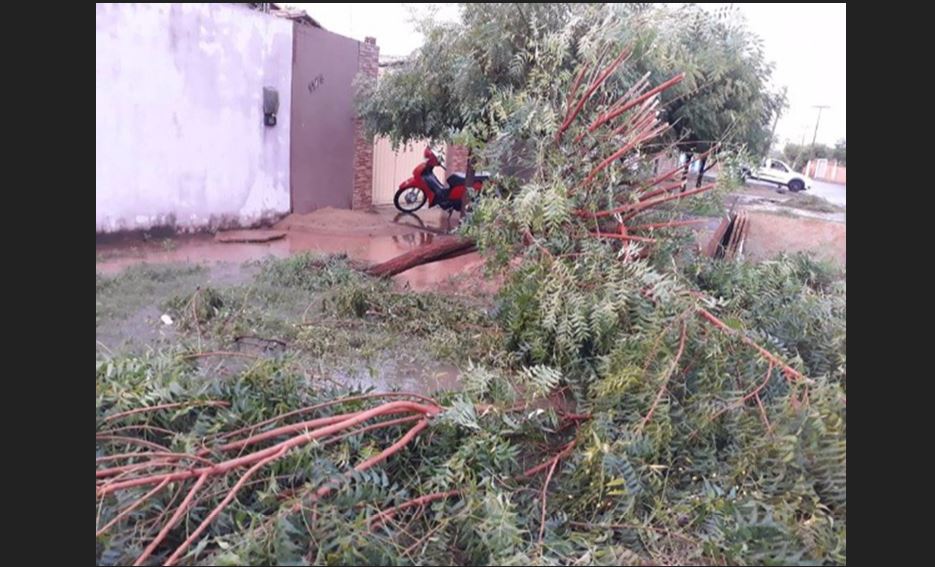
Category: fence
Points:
column 826, row 170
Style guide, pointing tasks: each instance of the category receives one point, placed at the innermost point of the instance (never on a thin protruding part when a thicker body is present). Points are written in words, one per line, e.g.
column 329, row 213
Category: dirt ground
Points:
column 369, row 236
column 774, row 231
column 778, row 222
column 770, row 234
column 343, row 222
column 136, row 279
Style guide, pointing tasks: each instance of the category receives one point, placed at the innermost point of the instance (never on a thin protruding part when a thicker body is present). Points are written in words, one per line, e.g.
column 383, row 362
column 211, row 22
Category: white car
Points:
column 775, row 171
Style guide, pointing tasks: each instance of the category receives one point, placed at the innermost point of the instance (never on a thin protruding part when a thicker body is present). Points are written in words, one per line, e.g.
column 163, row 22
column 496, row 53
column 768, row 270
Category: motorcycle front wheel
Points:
column 409, row 200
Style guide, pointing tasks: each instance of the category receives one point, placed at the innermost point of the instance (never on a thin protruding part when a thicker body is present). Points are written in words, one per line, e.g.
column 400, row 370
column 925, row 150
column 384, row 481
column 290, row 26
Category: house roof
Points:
column 392, row 60
column 294, row 14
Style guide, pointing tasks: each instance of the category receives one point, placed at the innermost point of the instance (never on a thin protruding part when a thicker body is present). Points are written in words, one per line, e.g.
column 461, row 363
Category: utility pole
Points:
column 772, row 134
column 820, row 107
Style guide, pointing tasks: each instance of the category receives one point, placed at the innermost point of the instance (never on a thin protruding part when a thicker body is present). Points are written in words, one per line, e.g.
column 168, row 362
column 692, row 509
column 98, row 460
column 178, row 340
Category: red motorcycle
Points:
column 424, row 187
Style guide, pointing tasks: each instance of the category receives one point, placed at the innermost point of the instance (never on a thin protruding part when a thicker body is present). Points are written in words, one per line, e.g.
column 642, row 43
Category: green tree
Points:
column 448, row 88
column 725, row 98
column 444, row 91
column 798, row 155
column 840, row 152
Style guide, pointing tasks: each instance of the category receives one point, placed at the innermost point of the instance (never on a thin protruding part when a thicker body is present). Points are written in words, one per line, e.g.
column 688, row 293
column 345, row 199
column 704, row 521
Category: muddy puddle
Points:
column 366, row 236
column 130, row 320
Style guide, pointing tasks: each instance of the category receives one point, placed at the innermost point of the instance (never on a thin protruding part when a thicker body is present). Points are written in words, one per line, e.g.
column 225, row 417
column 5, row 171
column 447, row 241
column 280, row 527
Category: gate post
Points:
column 362, row 197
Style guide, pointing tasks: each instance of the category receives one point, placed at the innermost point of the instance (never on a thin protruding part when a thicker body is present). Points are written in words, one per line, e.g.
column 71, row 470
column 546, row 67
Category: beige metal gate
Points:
column 392, row 168
column 324, row 65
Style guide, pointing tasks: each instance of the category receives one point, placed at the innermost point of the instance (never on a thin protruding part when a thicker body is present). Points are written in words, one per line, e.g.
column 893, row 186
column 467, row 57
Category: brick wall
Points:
column 456, row 159
column 362, row 198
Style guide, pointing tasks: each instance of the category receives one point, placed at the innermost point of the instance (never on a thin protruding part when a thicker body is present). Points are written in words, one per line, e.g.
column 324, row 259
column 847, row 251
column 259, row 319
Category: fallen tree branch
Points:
column 220, row 507
column 665, row 381
column 441, row 249
column 382, row 456
column 162, row 407
column 385, row 515
column 126, row 511
column 544, row 498
column 790, row 373
column 561, row 455
column 175, row 519
column 572, row 113
column 323, row 405
column 252, row 458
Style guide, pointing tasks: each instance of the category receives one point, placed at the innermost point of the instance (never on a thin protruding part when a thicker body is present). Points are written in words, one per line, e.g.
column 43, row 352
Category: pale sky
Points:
column 806, row 41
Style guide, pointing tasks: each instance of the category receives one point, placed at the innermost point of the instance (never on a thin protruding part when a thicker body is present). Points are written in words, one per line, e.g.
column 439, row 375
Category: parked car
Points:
column 778, row 172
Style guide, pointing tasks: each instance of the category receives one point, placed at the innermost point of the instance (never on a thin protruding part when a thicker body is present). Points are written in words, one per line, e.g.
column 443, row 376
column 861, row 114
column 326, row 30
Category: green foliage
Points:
column 689, row 447
column 704, row 481
column 688, row 436
column 798, row 304
column 308, row 272
column 448, row 88
column 799, row 155
column 725, row 96
column 460, row 85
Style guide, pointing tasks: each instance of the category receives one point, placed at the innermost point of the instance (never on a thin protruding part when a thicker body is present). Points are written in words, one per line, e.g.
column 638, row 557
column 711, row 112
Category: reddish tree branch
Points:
column 385, row 454
column 637, row 138
column 220, row 507
column 574, row 87
column 329, row 403
column 545, row 488
column 561, row 455
column 280, row 431
column 662, row 190
column 420, row 501
column 164, row 406
column 790, row 373
column 604, row 118
column 179, row 513
column 665, row 381
column 573, row 112
column 387, row 423
column 126, row 511
column 634, row 208
column 252, row 458
column 132, row 441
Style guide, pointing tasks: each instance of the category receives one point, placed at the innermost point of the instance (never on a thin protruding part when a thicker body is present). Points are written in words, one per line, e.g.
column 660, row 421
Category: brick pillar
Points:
column 456, row 159
column 362, row 197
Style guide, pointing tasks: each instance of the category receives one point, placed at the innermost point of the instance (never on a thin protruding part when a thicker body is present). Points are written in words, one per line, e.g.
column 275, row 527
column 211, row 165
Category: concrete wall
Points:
column 180, row 134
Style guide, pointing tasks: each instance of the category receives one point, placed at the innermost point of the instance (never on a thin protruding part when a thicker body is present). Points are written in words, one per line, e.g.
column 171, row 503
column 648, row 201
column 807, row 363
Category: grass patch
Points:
column 318, row 311
column 812, row 203
column 122, row 295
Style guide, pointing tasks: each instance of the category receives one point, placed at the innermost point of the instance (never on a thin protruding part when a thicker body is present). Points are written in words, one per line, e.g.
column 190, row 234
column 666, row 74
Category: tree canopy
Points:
column 445, row 91
column 798, row 155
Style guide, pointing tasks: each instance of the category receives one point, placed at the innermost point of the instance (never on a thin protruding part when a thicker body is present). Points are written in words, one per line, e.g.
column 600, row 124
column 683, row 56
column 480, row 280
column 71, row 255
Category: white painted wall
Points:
column 180, row 133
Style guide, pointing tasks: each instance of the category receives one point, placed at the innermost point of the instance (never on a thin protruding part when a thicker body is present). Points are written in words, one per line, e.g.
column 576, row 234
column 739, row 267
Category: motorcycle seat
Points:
column 459, row 177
